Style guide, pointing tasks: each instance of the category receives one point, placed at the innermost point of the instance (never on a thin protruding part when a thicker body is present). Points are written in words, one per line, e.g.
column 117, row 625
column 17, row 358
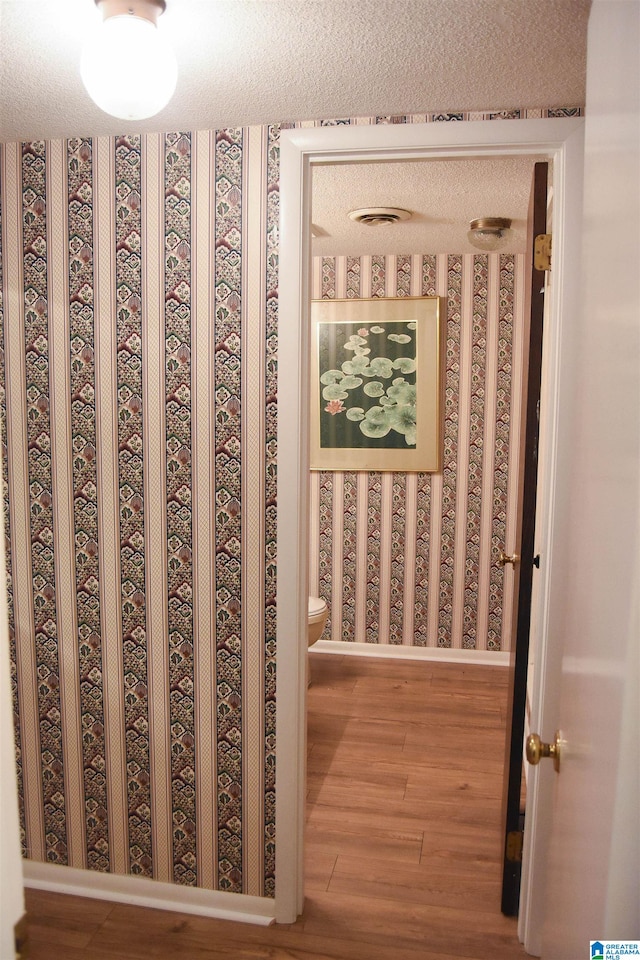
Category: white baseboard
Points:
column 396, row 652
column 148, row 893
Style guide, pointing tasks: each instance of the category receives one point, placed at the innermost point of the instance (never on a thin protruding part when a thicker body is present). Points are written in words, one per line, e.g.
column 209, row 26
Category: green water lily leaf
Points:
column 376, row 415
column 404, row 364
column 402, row 418
column 399, row 338
column 372, row 428
column 356, row 339
column 331, row 376
column 403, row 393
column 412, row 325
column 381, row 367
column 356, row 366
column 350, row 383
column 334, row 392
column 355, row 413
column 373, row 389
column 377, row 329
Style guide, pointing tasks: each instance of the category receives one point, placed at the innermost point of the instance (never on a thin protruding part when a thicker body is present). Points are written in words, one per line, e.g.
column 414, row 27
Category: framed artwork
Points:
column 376, row 384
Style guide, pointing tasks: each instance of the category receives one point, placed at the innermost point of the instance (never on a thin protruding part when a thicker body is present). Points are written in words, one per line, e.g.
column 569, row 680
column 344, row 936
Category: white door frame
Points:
column 560, row 140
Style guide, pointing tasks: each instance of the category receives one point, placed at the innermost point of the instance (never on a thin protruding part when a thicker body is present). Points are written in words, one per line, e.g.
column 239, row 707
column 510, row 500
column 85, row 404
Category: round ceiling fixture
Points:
column 489, row 233
column 374, row 216
column 128, row 66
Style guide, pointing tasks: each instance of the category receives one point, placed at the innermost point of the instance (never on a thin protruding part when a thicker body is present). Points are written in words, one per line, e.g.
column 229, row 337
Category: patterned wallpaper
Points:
column 137, row 680
column 138, row 326
column 415, row 553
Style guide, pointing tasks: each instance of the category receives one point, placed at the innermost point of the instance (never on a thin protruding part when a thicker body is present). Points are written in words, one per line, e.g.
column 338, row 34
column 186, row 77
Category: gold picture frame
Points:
column 376, row 384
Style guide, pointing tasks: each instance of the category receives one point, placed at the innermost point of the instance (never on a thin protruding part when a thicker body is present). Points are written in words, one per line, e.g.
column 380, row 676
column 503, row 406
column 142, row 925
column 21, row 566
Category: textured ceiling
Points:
column 257, row 61
column 442, row 196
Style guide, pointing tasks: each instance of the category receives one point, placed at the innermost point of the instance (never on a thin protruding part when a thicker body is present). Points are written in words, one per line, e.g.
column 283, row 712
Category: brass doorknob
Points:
column 536, row 750
column 505, row 558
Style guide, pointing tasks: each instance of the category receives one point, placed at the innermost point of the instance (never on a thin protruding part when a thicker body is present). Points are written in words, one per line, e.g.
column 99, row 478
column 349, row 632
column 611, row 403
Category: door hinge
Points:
column 542, row 252
column 21, row 938
column 514, row 846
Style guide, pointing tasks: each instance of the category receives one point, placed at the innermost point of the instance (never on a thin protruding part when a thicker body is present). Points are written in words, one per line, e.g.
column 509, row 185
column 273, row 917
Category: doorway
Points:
column 387, row 550
column 300, row 149
column 409, row 563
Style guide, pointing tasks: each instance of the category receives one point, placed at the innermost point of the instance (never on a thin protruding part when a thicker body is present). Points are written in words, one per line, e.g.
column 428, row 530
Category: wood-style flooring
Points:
column 402, row 842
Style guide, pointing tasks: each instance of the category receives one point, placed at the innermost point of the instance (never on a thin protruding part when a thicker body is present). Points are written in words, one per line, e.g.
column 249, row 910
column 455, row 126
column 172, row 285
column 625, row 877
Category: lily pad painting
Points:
column 368, row 388
column 375, row 385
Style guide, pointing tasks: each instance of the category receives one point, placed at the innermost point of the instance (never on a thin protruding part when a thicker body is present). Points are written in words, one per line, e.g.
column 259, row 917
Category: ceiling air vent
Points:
column 374, row 216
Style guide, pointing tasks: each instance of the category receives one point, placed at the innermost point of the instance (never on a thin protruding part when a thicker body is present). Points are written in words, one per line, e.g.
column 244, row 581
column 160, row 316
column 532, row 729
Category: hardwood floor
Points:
column 402, row 843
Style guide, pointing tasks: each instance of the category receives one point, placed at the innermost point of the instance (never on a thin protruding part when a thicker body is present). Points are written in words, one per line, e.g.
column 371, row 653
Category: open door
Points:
column 593, row 847
column 524, row 561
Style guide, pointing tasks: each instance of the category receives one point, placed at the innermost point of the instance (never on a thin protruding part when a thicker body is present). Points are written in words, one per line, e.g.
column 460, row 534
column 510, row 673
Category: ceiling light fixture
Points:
column 127, row 64
column 375, row 216
column 489, row 233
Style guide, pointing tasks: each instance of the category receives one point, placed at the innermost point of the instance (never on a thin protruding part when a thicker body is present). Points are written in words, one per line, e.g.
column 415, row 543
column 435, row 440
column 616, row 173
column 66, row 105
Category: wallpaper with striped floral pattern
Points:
column 410, row 559
column 138, row 327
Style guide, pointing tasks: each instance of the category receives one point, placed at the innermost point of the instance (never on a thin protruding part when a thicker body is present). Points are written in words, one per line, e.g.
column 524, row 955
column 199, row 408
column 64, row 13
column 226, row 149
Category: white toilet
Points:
column 318, row 613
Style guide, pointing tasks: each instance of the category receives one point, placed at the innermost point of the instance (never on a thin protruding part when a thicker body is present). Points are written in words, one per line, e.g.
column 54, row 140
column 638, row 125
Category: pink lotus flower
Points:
column 363, row 332
column 334, row 406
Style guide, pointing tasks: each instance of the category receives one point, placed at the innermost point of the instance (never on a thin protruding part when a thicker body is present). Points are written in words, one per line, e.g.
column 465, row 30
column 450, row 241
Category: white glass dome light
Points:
column 127, row 64
column 490, row 233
